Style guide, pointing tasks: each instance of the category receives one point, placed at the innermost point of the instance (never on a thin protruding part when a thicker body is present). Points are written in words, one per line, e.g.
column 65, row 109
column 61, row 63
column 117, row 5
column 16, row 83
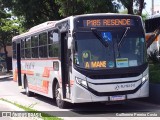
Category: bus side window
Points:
column 53, row 43
column 34, row 46
column 22, row 48
column 28, row 47
column 43, row 53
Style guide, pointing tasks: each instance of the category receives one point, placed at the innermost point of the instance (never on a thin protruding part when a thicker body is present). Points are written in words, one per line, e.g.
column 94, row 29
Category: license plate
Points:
column 117, row 97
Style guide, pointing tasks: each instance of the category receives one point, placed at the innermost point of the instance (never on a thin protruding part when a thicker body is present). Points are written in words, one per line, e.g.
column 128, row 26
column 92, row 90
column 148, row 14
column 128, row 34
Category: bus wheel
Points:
column 28, row 93
column 60, row 103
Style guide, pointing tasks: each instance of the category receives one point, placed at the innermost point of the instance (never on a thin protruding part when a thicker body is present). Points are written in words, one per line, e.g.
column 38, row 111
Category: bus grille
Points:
column 114, row 76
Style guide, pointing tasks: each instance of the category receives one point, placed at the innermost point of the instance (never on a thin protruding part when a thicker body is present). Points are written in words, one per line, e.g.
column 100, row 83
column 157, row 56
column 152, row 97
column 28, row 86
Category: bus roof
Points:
column 51, row 24
column 154, row 16
column 107, row 14
column 37, row 28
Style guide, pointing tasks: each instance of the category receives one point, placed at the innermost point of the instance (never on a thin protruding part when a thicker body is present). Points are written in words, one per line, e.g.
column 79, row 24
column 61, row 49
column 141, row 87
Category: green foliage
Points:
column 75, row 7
column 29, row 109
column 7, row 30
column 38, row 11
column 153, row 57
column 154, row 70
column 34, row 11
column 144, row 16
column 9, row 25
column 133, row 6
column 154, row 67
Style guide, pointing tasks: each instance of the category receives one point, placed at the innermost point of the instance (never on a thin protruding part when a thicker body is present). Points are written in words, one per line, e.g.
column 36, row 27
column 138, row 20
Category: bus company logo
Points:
column 124, row 86
column 29, row 65
column 117, row 87
column 85, row 55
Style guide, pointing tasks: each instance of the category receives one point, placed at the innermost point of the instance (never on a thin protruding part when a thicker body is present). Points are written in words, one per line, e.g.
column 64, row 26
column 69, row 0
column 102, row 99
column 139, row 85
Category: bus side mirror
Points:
column 69, row 42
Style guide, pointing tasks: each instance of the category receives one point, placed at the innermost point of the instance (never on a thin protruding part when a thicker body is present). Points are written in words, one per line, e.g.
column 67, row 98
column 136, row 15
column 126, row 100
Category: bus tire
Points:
column 58, row 96
column 28, row 93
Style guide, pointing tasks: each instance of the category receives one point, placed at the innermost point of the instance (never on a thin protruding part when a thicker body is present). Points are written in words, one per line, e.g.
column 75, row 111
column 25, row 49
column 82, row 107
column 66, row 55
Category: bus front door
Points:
column 65, row 65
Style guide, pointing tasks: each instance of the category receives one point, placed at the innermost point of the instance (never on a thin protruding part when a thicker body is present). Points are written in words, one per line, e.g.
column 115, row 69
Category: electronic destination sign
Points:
column 105, row 21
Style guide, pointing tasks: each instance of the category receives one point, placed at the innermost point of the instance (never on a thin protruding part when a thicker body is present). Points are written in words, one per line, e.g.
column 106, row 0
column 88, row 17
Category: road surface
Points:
column 10, row 91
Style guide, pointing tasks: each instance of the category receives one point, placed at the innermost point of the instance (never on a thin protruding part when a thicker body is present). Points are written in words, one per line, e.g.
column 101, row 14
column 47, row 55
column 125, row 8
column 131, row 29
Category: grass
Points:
column 29, row 109
column 154, row 73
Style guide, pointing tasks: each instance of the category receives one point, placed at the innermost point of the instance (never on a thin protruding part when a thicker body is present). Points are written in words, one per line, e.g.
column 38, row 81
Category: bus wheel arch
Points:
column 58, row 95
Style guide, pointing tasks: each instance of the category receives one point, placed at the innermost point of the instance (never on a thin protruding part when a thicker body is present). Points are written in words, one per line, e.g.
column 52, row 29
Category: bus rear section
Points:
column 109, row 58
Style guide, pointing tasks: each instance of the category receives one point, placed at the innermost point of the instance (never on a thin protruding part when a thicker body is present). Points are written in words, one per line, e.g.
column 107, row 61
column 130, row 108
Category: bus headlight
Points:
column 145, row 78
column 81, row 82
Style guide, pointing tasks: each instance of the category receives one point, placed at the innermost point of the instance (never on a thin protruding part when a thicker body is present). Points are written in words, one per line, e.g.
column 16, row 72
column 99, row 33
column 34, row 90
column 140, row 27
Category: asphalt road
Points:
column 10, row 91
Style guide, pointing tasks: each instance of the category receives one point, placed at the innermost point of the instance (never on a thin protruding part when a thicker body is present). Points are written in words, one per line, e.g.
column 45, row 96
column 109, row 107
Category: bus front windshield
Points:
column 90, row 53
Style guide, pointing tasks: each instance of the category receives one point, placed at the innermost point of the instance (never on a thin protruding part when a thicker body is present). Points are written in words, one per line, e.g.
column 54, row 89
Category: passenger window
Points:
column 42, row 39
column 53, row 43
column 28, row 47
column 34, row 46
column 43, row 52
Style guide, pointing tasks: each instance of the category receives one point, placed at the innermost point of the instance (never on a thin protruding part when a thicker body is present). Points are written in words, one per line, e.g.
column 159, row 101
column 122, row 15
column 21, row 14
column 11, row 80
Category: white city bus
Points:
column 83, row 58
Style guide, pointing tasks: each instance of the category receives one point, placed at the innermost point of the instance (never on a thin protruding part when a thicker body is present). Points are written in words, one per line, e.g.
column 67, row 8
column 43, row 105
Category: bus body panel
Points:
column 40, row 77
column 82, row 94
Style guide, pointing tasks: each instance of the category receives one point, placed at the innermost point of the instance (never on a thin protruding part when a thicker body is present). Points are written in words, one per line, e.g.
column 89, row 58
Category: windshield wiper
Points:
column 122, row 38
column 101, row 39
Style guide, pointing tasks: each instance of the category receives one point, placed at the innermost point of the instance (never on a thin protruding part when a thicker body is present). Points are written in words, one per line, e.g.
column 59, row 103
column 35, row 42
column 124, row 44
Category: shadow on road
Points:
column 99, row 109
column 42, row 98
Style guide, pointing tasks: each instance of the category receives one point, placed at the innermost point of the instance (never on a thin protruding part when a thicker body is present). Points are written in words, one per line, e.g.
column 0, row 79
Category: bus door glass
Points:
column 65, row 65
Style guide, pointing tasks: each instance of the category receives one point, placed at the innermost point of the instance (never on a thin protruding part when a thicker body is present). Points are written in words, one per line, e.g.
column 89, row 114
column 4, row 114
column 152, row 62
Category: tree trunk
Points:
column 141, row 6
column 130, row 7
column 6, row 53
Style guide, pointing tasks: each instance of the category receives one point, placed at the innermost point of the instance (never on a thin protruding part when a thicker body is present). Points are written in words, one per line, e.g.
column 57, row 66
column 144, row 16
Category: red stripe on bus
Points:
column 29, row 72
column 23, row 71
column 71, row 82
column 45, row 85
column 39, row 89
column 15, row 75
column 46, row 72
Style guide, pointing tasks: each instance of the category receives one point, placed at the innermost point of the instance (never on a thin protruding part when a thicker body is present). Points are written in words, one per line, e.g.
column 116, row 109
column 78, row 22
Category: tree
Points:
column 8, row 29
column 33, row 11
column 76, row 7
column 71, row 7
column 37, row 11
column 141, row 5
column 129, row 5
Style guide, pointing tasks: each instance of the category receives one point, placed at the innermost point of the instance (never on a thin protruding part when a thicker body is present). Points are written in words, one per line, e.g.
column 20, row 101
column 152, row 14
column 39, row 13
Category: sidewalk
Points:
column 9, row 108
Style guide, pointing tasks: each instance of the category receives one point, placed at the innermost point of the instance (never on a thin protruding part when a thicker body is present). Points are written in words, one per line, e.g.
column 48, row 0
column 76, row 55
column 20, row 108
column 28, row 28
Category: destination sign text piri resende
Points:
column 107, row 22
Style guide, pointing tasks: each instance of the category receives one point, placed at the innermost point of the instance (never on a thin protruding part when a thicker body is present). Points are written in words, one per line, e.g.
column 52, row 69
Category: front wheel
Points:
column 60, row 103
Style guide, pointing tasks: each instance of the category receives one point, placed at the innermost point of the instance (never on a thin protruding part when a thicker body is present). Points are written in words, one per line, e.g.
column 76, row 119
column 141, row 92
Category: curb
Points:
column 4, row 77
